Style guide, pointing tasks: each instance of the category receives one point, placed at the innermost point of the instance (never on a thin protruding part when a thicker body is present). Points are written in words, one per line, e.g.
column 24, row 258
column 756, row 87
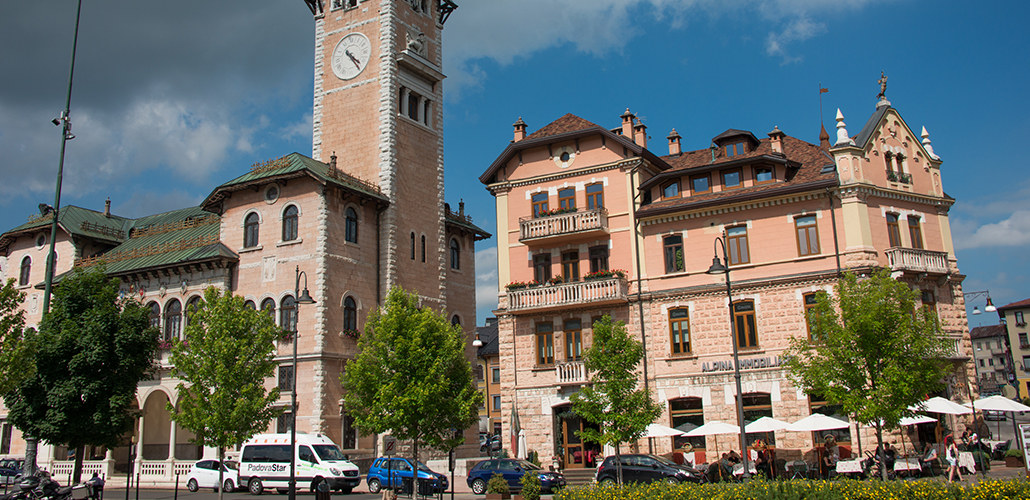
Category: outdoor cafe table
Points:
column 849, row 466
column 738, row 469
column 907, row 464
column 965, row 461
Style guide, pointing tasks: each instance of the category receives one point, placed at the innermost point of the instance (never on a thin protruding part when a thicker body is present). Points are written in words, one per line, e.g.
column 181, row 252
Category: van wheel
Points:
column 192, row 486
column 255, row 487
column 374, row 486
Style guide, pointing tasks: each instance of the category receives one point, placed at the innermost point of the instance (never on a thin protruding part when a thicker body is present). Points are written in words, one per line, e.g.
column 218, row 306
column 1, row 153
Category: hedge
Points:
column 843, row 489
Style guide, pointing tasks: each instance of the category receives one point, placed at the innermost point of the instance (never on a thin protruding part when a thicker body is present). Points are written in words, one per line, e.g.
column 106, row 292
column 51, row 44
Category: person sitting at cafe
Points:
column 831, row 455
column 890, row 456
column 734, row 457
column 929, row 456
column 762, row 462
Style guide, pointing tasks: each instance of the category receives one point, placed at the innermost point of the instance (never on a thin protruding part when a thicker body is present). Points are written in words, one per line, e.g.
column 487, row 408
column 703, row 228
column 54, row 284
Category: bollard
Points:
column 176, row 495
column 322, row 491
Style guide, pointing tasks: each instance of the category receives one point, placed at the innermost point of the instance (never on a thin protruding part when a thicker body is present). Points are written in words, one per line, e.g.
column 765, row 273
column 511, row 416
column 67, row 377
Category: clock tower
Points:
column 378, row 109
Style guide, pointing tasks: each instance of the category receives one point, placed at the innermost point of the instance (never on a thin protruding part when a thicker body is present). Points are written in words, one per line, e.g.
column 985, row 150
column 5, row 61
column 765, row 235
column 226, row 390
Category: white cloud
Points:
column 154, row 202
column 299, row 129
column 1013, row 231
column 798, row 30
column 486, row 282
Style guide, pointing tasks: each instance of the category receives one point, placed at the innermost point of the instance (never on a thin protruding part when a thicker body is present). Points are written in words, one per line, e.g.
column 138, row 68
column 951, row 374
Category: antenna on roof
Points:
column 821, row 92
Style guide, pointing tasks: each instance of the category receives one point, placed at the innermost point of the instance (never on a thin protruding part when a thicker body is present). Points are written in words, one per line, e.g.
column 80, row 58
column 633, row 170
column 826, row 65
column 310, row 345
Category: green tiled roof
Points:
column 465, row 222
column 292, row 166
column 76, row 221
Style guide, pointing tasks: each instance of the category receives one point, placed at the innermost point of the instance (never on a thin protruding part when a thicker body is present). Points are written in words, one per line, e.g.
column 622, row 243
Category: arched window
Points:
column 352, row 226
column 191, row 307
column 423, row 248
column 268, row 306
column 455, row 254
column 173, row 319
column 350, row 314
column 455, row 320
column 288, row 314
column 155, row 314
column 250, row 305
column 26, row 268
column 290, row 223
column 413, row 246
column 250, row 230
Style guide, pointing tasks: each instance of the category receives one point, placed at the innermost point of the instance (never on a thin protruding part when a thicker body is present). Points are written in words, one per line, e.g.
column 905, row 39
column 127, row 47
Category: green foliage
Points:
column 871, row 351
column 497, row 484
column 227, row 356
column 839, row 489
column 1014, row 452
column 613, row 401
column 530, row 485
column 533, row 457
column 92, row 350
column 16, row 344
column 411, row 376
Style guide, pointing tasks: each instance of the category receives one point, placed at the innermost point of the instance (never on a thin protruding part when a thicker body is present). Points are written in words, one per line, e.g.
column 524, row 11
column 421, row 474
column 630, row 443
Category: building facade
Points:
column 592, row 222
column 1014, row 316
column 992, row 359
column 355, row 219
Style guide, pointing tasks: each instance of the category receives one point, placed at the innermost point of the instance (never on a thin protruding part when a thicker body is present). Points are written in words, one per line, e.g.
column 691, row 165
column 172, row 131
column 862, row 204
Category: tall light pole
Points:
column 723, row 267
column 302, row 298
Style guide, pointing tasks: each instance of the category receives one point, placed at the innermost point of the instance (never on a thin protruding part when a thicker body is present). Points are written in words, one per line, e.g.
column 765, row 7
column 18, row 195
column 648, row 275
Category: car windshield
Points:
column 663, row 460
column 528, row 465
column 232, row 465
column 422, row 466
column 329, row 452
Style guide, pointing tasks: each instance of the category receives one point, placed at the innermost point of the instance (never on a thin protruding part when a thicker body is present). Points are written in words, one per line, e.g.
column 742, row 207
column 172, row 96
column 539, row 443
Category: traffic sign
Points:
column 389, row 446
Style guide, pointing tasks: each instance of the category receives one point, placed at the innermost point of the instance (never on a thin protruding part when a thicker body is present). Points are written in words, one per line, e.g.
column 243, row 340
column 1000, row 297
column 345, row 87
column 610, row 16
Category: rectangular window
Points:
column 544, row 344
column 700, row 184
column 981, row 363
column 807, row 235
column 893, row 230
column 979, row 346
column 497, row 402
column 736, row 244
column 819, row 405
column 1019, row 319
column 573, row 340
column 929, row 301
column 567, row 198
column 809, row 300
column 413, row 106
column 286, row 378
column 731, row 179
column 595, row 196
column 735, row 149
column 679, row 330
column 671, row 190
column 570, row 266
column 539, row 204
column 5, row 439
column 913, row 232
column 495, row 375
column 763, row 175
column 542, row 267
column 687, row 413
column 990, row 362
column 598, row 259
column 350, row 433
column 282, row 426
column 744, row 315
column 674, row 254
column 1023, row 342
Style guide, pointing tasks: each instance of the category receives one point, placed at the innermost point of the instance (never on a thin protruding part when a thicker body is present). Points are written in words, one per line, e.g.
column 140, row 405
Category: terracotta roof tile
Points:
column 567, row 123
column 1016, row 305
column 987, row 331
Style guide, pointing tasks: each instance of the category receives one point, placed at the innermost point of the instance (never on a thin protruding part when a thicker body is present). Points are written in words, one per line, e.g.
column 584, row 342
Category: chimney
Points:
column 332, row 162
column 627, row 125
column 674, row 143
column 107, row 207
column 461, row 207
column 640, row 134
column 776, row 139
column 520, row 130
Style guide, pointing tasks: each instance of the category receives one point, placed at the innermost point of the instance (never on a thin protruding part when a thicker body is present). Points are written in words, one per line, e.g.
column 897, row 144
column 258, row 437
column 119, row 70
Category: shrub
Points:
column 497, row 484
column 982, row 459
column 534, row 458
column 530, row 485
column 1012, row 452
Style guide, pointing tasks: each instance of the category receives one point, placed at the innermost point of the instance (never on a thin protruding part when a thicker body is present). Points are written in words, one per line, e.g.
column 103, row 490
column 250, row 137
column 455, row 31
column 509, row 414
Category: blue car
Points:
column 399, row 471
column 512, row 470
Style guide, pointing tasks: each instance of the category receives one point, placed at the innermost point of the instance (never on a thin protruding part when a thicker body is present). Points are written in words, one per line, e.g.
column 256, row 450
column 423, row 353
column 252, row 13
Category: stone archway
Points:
column 153, row 443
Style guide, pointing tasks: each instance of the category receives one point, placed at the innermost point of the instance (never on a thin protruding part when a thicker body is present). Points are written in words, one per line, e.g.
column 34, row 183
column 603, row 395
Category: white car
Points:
column 204, row 474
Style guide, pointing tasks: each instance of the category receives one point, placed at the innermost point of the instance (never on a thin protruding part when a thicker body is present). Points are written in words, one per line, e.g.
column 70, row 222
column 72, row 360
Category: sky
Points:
column 171, row 99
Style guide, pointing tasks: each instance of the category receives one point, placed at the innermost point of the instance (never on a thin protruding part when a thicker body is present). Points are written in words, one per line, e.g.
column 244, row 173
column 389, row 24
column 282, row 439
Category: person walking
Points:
column 951, row 455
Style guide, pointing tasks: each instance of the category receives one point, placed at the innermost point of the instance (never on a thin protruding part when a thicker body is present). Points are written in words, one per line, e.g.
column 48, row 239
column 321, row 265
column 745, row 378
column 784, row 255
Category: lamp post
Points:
column 302, row 298
column 976, row 309
column 722, row 267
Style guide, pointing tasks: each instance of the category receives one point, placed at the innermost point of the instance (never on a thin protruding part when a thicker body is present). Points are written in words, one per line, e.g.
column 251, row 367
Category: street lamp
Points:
column 976, row 309
column 302, row 298
column 722, row 267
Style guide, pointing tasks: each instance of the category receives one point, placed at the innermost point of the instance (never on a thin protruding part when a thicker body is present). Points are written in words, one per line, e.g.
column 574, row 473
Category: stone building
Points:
column 364, row 213
column 993, row 360
column 1014, row 317
column 591, row 221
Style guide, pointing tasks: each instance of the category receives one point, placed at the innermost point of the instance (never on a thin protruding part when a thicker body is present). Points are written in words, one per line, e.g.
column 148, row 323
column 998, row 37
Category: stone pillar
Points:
column 421, row 111
column 404, row 100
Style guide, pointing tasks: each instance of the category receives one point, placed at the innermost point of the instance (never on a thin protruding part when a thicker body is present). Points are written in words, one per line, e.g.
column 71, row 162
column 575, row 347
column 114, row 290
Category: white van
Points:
column 265, row 463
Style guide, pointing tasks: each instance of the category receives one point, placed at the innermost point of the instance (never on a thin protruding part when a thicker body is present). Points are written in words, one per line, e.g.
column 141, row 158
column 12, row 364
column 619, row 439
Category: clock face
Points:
column 351, row 56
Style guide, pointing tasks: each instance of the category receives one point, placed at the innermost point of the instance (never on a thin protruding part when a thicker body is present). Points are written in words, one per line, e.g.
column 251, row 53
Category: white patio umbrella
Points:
column 817, row 422
column 1001, row 403
column 714, row 428
column 938, row 404
column 659, row 430
column 522, row 451
column 766, row 425
column 907, row 421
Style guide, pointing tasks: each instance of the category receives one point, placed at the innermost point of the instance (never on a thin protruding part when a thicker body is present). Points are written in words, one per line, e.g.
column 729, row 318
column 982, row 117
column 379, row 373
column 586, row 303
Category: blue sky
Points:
column 173, row 98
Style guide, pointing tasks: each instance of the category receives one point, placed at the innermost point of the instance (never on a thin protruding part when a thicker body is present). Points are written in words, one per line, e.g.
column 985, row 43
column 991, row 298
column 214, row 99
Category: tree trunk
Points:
column 882, row 452
column 618, row 461
column 77, row 469
column 414, row 463
column 221, row 472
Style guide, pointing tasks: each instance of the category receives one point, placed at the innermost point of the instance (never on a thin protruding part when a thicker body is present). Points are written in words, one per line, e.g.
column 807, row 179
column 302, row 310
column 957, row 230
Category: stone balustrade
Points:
column 917, row 260
column 570, row 373
column 533, row 228
column 594, row 292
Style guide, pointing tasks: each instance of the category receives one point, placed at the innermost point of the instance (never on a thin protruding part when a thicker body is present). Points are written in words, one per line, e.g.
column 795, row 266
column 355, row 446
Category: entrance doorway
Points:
column 576, row 452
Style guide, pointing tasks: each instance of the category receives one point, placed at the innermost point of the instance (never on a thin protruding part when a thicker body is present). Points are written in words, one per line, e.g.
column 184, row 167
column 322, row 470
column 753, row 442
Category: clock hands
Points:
column 353, row 59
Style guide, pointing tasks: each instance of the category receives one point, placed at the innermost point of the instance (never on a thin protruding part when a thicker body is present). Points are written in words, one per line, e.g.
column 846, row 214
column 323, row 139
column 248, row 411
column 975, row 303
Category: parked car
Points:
column 491, row 444
column 512, row 470
column 396, row 473
column 204, row 474
column 645, row 469
column 9, row 469
column 994, row 415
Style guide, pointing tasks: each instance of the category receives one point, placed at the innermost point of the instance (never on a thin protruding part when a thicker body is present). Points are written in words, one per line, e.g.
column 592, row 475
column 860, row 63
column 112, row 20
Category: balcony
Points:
column 571, row 373
column 597, row 292
column 580, row 222
column 954, row 351
column 917, row 261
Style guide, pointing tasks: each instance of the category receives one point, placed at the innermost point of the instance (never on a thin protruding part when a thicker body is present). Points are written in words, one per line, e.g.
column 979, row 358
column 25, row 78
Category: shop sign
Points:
column 745, row 364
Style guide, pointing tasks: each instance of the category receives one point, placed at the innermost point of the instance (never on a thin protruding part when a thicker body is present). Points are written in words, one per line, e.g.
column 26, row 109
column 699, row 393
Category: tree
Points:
column 411, row 376
column 870, row 351
column 613, row 401
column 16, row 345
column 92, row 350
column 227, row 353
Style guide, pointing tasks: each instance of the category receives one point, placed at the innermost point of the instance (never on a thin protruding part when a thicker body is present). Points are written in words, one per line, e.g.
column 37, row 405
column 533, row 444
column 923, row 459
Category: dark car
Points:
column 399, row 472
column 645, row 469
column 9, row 469
column 489, row 444
column 512, row 470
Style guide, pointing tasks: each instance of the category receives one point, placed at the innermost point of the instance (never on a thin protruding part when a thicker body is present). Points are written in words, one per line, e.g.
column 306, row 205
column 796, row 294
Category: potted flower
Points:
column 1014, row 457
column 605, row 273
column 497, row 488
column 518, row 285
column 556, row 280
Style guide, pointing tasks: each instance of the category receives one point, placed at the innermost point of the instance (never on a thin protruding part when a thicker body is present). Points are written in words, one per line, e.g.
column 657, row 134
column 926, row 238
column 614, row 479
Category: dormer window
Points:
column 763, row 174
column 731, row 179
column 735, row 149
column 671, row 190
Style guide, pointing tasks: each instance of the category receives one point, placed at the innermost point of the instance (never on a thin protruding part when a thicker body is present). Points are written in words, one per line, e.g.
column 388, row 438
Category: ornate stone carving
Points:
column 417, row 43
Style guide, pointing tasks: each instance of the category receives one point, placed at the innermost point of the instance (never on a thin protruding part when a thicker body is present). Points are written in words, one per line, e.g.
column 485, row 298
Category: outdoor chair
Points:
column 780, row 468
column 800, row 468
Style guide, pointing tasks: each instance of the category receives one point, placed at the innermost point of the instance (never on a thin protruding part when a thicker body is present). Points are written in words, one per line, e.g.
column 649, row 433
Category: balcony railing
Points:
column 916, row 260
column 580, row 221
column 570, row 373
column 598, row 291
column 955, row 349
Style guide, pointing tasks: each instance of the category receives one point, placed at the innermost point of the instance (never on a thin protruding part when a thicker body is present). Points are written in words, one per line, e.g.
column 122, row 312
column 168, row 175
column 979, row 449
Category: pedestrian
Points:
column 96, row 486
column 951, row 455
